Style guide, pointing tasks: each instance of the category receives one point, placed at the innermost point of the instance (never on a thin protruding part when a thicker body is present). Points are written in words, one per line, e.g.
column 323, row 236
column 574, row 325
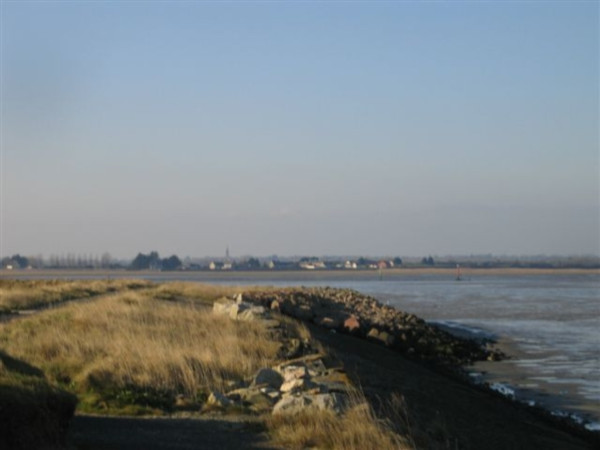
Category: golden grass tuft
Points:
column 357, row 429
column 131, row 342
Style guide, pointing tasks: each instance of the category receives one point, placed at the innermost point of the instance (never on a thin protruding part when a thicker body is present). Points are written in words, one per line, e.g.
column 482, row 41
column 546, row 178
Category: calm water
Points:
column 553, row 321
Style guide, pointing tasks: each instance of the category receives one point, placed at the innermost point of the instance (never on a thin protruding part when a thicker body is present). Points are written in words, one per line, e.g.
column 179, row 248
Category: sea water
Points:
column 552, row 321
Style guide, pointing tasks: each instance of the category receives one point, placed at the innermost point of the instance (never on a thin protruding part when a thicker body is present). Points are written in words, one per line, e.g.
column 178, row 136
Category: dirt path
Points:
column 122, row 433
column 23, row 313
column 445, row 413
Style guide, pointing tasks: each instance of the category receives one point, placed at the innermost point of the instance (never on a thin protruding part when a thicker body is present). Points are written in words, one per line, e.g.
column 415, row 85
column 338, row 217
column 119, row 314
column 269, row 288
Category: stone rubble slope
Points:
column 348, row 311
column 301, row 382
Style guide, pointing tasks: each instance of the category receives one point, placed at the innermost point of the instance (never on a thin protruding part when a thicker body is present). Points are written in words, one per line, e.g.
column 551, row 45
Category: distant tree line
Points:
column 16, row 261
column 428, row 261
column 153, row 261
column 68, row 261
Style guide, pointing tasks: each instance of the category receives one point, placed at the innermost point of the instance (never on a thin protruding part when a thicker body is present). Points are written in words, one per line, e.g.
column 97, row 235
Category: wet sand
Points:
column 558, row 397
column 553, row 397
column 292, row 275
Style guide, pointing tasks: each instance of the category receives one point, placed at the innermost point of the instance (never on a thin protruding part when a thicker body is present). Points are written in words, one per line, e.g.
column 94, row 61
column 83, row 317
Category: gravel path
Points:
column 125, row 433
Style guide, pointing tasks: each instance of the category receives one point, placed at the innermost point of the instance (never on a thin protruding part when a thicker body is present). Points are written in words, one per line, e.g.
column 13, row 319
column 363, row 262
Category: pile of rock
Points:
column 348, row 311
column 238, row 309
column 288, row 388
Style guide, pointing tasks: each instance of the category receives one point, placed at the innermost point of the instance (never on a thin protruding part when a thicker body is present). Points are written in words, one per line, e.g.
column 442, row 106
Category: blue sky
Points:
column 374, row 128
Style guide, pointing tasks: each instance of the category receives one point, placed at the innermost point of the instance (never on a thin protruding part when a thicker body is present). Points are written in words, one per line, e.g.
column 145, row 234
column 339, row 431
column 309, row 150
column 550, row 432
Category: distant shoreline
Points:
column 466, row 273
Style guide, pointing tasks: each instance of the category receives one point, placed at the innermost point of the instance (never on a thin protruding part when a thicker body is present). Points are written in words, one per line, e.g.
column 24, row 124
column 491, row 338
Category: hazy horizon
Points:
column 300, row 128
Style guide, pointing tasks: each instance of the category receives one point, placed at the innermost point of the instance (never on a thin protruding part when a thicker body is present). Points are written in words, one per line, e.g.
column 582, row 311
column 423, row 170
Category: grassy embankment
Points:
column 157, row 349
column 16, row 295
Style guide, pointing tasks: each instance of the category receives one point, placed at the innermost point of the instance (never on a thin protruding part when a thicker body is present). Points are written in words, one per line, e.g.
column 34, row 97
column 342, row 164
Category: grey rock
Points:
column 222, row 306
column 269, row 377
column 330, row 402
column 295, row 385
column 331, row 322
column 249, row 313
column 293, row 372
column 315, row 367
column 333, row 402
column 292, row 405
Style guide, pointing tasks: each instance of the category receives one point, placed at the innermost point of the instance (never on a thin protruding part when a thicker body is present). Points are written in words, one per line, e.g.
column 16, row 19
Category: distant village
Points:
column 154, row 262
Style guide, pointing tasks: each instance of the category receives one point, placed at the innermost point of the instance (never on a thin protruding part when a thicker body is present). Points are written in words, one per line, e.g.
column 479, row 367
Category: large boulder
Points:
column 294, row 372
column 250, row 312
column 316, row 367
column 333, row 402
column 268, row 377
column 257, row 399
column 292, row 405
column 382, row 337
column 352, row 325
column 298, row 385
column 223, row 306
column 238, row 310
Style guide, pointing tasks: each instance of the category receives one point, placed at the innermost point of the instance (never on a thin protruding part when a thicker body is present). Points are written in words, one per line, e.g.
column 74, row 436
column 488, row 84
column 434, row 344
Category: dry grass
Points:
column 29, row 294
column 131, row 348
column 20, row 294
column 197, row 292
column 357, row 429
column 147, row 348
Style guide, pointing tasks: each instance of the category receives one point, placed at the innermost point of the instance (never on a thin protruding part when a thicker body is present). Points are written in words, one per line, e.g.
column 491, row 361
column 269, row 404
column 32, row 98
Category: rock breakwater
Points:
column 348, row 311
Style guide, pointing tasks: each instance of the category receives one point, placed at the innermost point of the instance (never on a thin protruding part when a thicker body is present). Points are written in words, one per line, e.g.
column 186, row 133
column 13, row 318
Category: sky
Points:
column 300, row 128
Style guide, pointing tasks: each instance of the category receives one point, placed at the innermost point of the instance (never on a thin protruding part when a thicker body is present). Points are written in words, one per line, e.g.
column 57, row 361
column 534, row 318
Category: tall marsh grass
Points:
column 356, row 429
column 132, row 345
